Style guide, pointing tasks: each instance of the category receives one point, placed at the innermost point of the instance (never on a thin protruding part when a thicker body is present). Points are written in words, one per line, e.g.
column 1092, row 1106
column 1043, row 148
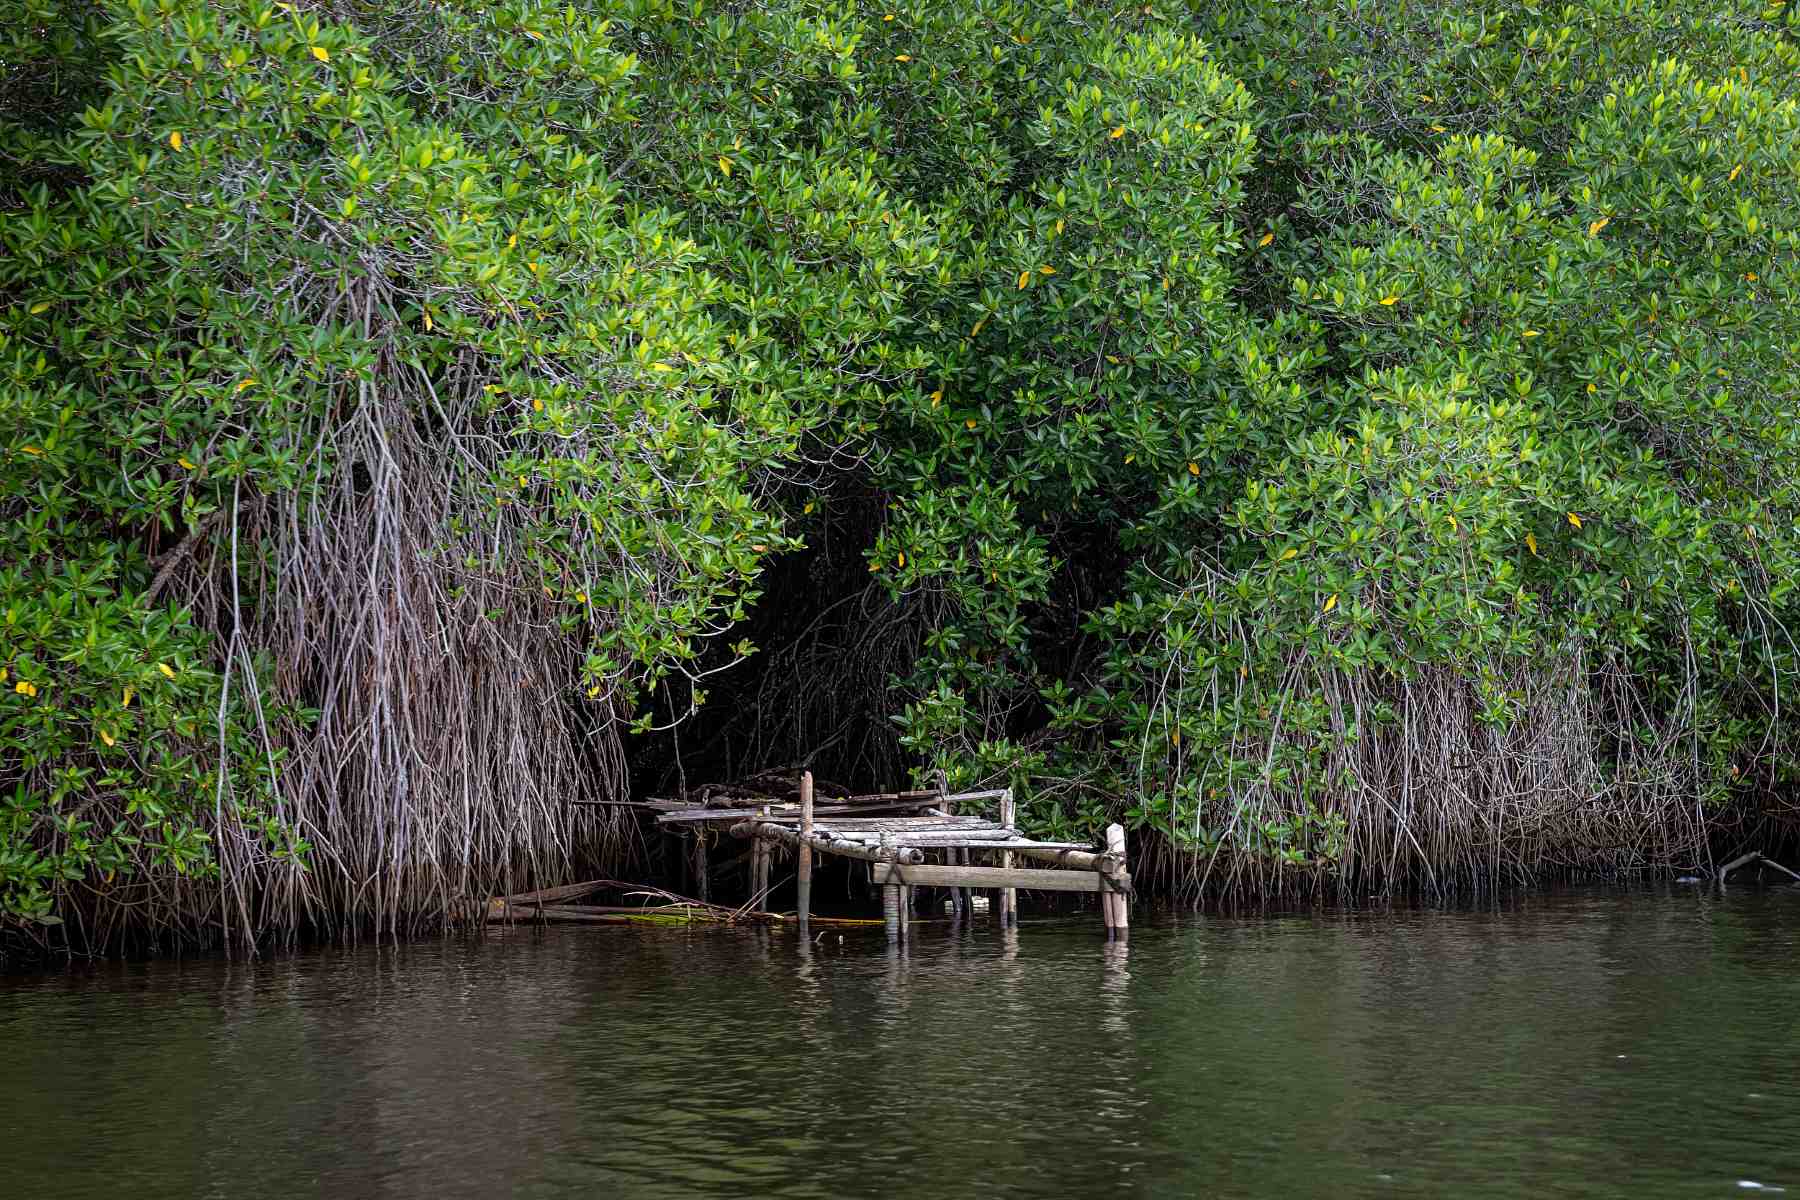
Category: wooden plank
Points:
column 1018, row 877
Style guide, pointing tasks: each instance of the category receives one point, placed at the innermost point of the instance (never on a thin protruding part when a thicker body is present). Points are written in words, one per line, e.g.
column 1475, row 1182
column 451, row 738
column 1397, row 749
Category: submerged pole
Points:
column 803, row 864
column 890, row 893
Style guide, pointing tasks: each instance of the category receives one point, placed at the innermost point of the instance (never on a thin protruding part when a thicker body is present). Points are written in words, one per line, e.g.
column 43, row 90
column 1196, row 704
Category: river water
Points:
column 1606, row 1044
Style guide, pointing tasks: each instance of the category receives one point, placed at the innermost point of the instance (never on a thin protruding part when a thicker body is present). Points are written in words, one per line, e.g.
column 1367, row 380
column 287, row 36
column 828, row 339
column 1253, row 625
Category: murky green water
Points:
column 1589, row 1045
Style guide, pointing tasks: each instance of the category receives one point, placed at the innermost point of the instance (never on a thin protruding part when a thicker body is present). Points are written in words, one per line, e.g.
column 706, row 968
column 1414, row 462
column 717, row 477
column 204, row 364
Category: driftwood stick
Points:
column 551, row 895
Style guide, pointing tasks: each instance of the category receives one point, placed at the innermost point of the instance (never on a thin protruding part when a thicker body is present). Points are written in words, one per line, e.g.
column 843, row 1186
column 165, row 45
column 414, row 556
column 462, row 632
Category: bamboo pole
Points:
column 1007, row 898
column 803, row 867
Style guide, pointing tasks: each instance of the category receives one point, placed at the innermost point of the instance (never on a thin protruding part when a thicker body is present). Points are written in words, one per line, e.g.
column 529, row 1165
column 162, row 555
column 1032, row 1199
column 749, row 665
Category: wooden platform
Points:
column 915, row 839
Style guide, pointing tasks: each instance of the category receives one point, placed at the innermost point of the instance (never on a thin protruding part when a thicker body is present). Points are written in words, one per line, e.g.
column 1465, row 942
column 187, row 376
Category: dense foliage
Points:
column 1356, row 443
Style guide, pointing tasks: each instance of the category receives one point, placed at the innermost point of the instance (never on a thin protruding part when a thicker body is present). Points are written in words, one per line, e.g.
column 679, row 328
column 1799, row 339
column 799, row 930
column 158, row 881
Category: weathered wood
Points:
column 1008, row 897
column 1117, row 905
column 803, row 864
column 931, row 875
column 820, row 840
column 890, row 894
column 876, row 826
column 1078, row 860
column 551, row 895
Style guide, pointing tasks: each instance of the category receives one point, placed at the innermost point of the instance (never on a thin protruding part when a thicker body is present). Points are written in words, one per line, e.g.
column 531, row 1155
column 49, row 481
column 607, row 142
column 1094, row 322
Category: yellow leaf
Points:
column 759, row 548
column 808, row 508
column 1265, row 239
column 1595, row 228
column 661, row 366
column 937, row 396
column 1531, row 333
column 106, row 737
column 1575, row 520
column 427, row 322
column 978, row 326
column 1439, row 129
column 970, row 422
column 593, row 691
column 1175, row 738
column 512, row 241
column 30, row 450
column 1059, row 226
column 888, row 17
column 1330, row 602
column 126, row 702
column 900, row 559
column 187, row 465
column 1451, row 517
column 537, row 405
column 1117, row 133
column 725, row 165
column 1130, row 458
column 1290, row 552
column 1046, row 270
column 1193, row 468
column 902, row 58
column 1390, row 301
column 320, row 53
column 39, row 307
column 175, row 141
column 245, row 383
column 1734, row 172
column 24, row 688
column 1592, row 389
column 166, row 669
column 1531, row 542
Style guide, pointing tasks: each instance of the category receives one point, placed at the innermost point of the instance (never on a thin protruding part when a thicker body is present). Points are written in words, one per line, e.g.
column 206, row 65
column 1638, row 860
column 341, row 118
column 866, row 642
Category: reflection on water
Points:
column 1615, row 1044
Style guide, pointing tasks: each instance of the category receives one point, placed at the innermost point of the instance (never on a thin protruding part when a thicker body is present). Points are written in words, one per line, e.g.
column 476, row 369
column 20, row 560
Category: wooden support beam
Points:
column 932, row 875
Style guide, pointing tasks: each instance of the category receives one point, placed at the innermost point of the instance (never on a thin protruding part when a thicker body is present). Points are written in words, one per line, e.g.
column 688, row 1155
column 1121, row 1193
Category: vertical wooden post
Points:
column 890, row 893
column 960, row 908
column 1008, row 898
column 759, row 866
column 803, row 868
column 1114, row 904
